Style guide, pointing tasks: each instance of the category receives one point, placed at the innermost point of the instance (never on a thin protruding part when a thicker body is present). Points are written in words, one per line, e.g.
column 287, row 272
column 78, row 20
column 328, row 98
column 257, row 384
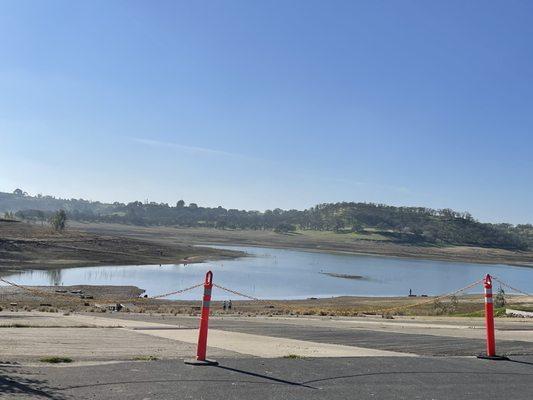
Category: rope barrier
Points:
column 236, row 293
column 431, row 300
column 65, row 296
column 510, row 287
column 382, row 311
column 176, row 292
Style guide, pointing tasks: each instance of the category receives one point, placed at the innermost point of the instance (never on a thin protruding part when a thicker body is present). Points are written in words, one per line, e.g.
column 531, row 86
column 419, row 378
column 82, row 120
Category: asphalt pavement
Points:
column 385, row 378
column 434, row 360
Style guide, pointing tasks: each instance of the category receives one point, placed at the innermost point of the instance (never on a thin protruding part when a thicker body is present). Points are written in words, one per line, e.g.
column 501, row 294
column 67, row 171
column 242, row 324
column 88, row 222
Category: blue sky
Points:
column 264, row 104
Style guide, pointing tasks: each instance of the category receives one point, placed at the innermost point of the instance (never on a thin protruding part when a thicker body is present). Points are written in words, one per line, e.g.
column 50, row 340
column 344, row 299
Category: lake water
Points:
column 290, row 274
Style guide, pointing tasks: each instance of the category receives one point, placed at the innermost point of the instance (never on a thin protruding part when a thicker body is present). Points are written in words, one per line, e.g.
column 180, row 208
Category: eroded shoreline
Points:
column 313, row 242
column 32, row 247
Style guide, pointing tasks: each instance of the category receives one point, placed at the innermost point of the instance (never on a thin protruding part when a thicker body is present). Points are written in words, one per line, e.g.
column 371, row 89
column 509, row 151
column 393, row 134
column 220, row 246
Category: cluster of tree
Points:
column 20, row 200
column 404, row 224
column 8, row 215
column 59, row 220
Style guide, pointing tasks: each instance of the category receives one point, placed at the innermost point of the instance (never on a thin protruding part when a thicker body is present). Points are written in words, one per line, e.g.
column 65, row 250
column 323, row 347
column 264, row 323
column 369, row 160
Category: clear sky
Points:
column 264, row 104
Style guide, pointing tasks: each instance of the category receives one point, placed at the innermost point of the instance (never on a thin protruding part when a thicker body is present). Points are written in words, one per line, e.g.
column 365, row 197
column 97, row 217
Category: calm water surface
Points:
column 290, row 274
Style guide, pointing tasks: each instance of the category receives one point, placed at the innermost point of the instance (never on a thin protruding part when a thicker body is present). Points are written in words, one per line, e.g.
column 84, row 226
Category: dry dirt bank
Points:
column 315, row 241
column 95, row 298
column 27, row 246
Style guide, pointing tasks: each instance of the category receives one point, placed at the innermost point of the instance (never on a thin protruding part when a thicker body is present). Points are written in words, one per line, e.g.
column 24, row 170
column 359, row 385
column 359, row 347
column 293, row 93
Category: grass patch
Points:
column 56, row 360
column 343, row 236
column 145, row 358
column 520, row 307
column 498, row 312
column 293, row 356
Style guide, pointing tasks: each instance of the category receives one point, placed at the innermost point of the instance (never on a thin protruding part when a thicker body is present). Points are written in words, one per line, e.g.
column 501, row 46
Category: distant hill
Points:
column 400, row 224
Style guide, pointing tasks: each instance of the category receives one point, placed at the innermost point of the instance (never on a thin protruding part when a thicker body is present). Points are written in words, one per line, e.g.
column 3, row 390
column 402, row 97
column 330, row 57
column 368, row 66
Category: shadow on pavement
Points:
column 519, row 362
column 271, row 378
column 332, row 378
column 18, row 385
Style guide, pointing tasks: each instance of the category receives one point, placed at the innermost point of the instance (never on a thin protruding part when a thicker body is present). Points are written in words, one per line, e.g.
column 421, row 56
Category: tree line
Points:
column 402, row 224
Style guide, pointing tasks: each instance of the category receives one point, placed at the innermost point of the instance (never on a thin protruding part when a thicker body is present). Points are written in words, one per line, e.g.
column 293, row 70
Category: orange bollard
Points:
column 204, row 325
column 489, row 317
column 489, row 322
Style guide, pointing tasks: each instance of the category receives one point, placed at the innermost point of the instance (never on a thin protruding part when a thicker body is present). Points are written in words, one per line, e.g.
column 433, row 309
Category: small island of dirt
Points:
column 344, row 276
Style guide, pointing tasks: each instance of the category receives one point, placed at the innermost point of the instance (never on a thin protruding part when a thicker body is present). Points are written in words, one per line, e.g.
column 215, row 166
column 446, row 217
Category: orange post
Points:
column 489, row 316
column 204, row 321
column 489, row 321
column 204, row 325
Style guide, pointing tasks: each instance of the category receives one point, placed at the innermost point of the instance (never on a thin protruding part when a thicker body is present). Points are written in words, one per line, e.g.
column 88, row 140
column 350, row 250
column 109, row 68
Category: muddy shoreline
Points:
column 98, row 298
column 27, row 246
column 314, row 242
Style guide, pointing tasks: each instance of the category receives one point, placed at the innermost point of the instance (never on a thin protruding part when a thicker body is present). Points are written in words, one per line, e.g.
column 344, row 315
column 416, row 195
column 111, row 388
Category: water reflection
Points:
column 54, row 277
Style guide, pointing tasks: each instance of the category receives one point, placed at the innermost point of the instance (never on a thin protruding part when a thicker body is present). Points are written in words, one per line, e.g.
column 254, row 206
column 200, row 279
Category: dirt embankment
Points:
column 315, row 241
column 88, row 298
column 27, row 246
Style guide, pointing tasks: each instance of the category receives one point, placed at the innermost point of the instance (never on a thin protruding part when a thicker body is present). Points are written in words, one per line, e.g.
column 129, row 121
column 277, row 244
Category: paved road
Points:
column 436, row 342
column 391, row 341
column 252, row 378
column 243, row 377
